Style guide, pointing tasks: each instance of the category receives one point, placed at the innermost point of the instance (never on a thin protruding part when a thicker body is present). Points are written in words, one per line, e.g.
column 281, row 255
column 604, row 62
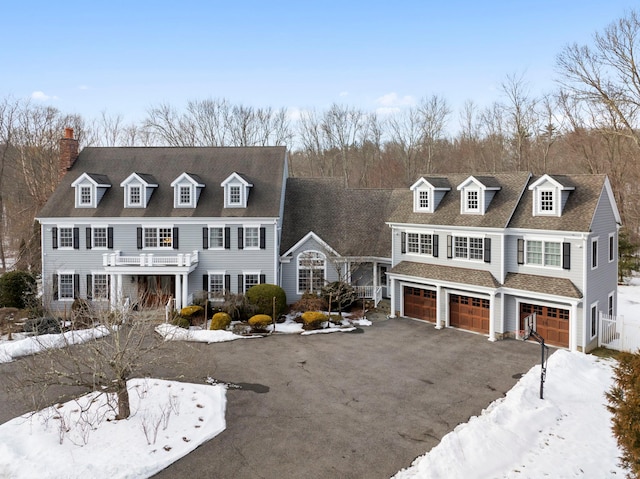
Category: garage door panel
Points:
column 420, row 303
column 469, row 313
column 551, row 323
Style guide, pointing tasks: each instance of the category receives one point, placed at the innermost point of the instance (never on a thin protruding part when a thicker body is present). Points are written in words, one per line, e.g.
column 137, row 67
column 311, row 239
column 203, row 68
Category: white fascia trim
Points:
column 147, row 221
column 311, row 235
column 467, row 289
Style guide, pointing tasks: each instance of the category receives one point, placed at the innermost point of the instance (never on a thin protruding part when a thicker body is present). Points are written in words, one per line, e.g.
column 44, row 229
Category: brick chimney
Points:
column 68, row 151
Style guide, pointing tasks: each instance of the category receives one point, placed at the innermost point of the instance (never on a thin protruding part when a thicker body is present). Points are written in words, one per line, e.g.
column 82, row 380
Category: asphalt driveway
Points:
column 345, row 405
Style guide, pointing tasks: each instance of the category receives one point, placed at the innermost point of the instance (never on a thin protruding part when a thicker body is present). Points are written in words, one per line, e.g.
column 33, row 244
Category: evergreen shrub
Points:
column 261, row 295
column 313, row 319
column 220, row 320
column 259, row 322
column 17, row 289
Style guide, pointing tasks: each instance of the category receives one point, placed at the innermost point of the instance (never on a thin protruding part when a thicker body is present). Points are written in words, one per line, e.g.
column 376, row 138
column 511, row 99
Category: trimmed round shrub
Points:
column 220, row 321
column 259, row 322
column 17, row 289
column 181, row 322
column 192, row 313
column 313, row 319
column 261, row 295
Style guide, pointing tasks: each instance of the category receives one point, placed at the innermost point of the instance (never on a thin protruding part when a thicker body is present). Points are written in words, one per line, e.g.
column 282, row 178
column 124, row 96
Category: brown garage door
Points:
column 551, row 323
column 420, row 303
column 469, row 313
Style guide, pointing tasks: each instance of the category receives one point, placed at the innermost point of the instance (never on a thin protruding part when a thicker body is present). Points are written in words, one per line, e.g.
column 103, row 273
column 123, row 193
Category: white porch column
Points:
column 375, row 276
column 113, row 291
column 439, row 307
column 185, row 289
column 392, row 296
column 573, row 328
column 178, row 292
column 492, row 317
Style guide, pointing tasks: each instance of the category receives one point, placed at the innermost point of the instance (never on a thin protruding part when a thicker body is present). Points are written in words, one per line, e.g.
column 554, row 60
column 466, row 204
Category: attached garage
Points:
column 420, row 303
column 469, row 313
column 551, row 323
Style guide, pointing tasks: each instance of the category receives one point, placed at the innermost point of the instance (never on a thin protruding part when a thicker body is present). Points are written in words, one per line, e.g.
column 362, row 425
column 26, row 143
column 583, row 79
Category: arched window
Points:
column 311, row 271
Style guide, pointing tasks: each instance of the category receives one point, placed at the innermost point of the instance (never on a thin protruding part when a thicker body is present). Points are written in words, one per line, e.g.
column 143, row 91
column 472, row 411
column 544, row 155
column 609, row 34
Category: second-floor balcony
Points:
column 150, row 259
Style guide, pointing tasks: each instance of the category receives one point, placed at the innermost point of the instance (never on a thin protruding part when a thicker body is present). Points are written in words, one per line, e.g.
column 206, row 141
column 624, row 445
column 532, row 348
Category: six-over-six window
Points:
column 544, row 253
column 468, row 248
column 158, row 238
column 420, row 243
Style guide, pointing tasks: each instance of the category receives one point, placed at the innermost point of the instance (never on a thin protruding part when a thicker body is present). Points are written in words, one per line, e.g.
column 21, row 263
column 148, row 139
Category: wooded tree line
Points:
column 589, row 125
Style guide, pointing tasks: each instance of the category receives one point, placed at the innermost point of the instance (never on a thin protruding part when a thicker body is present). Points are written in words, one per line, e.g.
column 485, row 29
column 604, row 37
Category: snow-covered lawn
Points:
column 80, row 439
column 567, row 434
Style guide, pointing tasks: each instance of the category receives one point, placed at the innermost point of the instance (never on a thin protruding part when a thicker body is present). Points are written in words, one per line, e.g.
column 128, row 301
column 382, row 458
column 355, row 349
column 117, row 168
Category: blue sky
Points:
column 124, row 56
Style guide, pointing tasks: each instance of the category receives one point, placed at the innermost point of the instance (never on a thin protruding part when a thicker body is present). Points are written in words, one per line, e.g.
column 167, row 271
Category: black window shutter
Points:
column 76, row 286
column 263, row 278
column 139, row 234
column 227, row 237
column 175, row 237
column 520, row 251
column 487, row 250
column 54, row 237
column 205, row 282
column 436, row 246
column 240, row 237
column 566, row 255
column 205, row 238
column 227, row 282
column 403, row 241
column 88, row 237
column 240, row 284
column 110, row 237
column 89, row 287
column 263, row 238
column 449, row 246
column 76, row 238
column 55, row 287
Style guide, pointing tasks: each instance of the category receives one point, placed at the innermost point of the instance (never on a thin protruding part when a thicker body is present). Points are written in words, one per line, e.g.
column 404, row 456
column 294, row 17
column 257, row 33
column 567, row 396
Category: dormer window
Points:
column 138, row 188
column 236, row 191
column 90, row 188
column 427, row 194
column 186, row 190
column 476, row 194
column 549, row 196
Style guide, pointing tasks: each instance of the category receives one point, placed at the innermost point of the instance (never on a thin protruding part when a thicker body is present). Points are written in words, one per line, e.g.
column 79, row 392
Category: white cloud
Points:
column 392, row 100
column 387, row 110
column 344, row 93
column 42, row 96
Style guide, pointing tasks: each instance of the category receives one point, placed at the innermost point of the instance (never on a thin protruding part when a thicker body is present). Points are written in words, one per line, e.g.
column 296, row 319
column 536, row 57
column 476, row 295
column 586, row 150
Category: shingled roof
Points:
column 350, row 220
column 542, row 284
column 262, row 166
column 577, row 214
column 503, row 204
column 449, row 274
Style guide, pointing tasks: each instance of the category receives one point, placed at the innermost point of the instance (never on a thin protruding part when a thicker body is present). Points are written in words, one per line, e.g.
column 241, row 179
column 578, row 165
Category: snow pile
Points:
column 10, row 350
column 169, row 420
column 566, row 434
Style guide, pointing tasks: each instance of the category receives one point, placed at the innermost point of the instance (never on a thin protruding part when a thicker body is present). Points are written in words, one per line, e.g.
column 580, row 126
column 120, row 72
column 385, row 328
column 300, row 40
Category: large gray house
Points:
column 475, row 252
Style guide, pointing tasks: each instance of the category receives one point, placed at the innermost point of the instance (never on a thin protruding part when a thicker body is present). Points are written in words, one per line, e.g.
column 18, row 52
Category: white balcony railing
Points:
column 369, row 292
column 149, row 259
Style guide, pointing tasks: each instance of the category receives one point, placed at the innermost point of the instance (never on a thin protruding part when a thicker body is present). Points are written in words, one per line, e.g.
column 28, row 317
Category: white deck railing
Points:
column 149, row 259
column 369, row 292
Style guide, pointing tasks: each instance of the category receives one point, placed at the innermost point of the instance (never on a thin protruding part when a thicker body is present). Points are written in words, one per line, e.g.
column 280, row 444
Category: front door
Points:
column 154, row 291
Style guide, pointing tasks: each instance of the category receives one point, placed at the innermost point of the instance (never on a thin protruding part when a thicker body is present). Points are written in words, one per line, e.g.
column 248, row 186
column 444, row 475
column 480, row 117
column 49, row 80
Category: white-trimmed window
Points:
column 251, row 237
column 472, row 202
column 99, row 287
column 184, row 195
column 251, row 279
column 610, row 304
column 547, row 201
column 99, row 237
column 544, row 253
column 612, row 247
column 65, row 237
column 216, row 237
column 235, row 197
column 468, row 247
column 158, row 238
column 594, row 253
column 85, row 195
column 594, row 320
column 461, row 247
column 66, row 286
column 423, row 199
column 135, row 195
column 216, row 283
column 311, row 271
column 419, row 243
